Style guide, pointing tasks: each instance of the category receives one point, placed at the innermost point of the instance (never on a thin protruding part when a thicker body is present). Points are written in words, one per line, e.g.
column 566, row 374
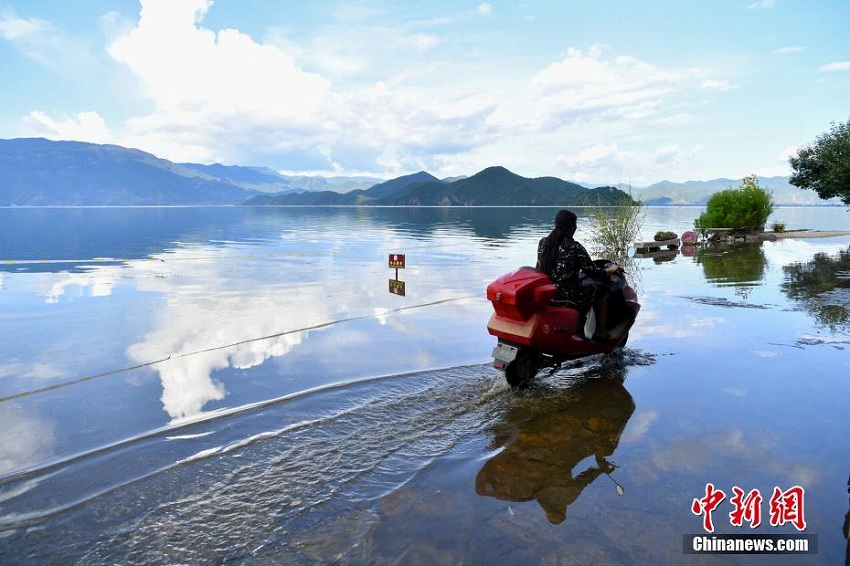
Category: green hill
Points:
column 393, row 186
column 494, row 186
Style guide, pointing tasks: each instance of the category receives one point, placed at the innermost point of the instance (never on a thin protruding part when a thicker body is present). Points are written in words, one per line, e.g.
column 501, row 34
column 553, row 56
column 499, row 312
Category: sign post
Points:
column 396, row 261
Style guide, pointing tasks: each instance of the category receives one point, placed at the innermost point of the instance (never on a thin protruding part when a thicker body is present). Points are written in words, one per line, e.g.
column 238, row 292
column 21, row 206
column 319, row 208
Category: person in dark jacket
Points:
column 562, row 258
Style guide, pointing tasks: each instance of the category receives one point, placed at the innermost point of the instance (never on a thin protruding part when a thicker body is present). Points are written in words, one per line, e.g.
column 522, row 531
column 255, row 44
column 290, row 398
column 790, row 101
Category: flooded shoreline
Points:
column 290, row 415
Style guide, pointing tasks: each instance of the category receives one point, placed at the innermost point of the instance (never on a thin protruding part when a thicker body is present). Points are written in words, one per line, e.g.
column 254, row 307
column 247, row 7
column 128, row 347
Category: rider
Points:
column 562, row 258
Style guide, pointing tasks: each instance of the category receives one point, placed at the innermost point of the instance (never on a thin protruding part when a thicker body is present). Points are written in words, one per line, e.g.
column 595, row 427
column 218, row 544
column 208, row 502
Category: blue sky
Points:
column 597, row 92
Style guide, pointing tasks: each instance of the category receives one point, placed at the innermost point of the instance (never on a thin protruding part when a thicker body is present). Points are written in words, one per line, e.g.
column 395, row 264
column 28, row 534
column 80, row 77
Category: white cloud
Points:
column 323, row 54
column 182, row 66
column 790, row 50
column 425, row 42
column 41, row 41
column 15, row 29
column 211, row 89
column 787, row 152
column 218, row 94
column 837, row 66
column 585, row 86
column 680, row 119
column 591, row 157
column 87, row 126
column 222, row 96
column 666, row 154
column 350, row 12
column 761, row 5
column 608, row 160
column 717, row 85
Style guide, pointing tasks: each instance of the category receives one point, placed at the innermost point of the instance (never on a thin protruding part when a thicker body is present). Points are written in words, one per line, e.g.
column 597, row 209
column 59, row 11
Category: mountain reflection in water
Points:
column 544, row 452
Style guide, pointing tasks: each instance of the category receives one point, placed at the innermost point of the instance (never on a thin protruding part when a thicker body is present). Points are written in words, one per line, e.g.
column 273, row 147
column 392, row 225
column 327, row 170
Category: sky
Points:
column 595, row 92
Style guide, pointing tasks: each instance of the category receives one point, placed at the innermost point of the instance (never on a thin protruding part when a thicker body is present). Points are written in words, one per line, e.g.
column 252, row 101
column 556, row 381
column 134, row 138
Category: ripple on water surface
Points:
column 330, row 473
column 231, row 485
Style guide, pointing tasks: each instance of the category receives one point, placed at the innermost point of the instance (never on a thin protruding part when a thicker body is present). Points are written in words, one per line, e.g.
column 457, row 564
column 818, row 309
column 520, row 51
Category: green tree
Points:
column 746, row 207
column 824, row 166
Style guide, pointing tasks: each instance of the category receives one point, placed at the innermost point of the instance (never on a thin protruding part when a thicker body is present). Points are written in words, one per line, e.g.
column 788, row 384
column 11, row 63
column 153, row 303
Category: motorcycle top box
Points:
column 520, row 294
column 536, row 330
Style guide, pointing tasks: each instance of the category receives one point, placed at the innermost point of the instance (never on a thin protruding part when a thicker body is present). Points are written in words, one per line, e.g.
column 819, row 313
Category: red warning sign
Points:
column 397, row 261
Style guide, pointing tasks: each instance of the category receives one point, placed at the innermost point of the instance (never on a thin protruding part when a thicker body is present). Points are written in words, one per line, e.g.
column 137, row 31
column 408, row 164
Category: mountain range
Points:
column 667, row 193
column 494, row 186
column 40, row 172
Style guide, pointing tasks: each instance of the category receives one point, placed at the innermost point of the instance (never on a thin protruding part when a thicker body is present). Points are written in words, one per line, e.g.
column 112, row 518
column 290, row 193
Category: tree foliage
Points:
column 824, row 166
column 746, row 207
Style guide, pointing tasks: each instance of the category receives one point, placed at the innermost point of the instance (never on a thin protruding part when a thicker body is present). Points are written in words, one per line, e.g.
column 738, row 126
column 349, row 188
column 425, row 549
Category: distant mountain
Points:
column 260, row 179
column 698, row 192
column 393, row 186
column 40, row 172
column 494, row 186
column 337, row 184
column 268, row 180
column 36, row 172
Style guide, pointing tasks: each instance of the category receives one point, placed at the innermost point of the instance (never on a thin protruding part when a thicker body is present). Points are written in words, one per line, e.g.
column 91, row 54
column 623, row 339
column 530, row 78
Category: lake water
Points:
column 199, row 385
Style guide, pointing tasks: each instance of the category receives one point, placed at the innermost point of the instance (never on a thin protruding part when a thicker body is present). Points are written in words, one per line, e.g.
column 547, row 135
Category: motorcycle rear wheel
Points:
column 623, row 340
column 522, row 369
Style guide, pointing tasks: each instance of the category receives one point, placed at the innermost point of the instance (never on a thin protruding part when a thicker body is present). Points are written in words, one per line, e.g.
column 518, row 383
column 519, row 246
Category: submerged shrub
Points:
column 614, row 228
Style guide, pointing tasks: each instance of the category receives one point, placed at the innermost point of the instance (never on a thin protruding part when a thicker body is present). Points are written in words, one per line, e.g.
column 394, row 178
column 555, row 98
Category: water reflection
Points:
column 203, row 297
column 822, row 287
column 741, row 266
column 548, row 445
column 48, row 240
column 846, row 527
column 26, row 439
column 236, row 308
column 208, row 311
column 51, row 240
column 425, row 222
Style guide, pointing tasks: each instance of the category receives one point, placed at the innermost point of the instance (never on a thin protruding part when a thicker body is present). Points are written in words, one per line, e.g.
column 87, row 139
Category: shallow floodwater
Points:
column 195, row 385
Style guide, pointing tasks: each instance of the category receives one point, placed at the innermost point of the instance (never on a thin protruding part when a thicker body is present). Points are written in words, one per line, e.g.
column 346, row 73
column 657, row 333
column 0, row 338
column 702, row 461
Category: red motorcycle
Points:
column 535, row 330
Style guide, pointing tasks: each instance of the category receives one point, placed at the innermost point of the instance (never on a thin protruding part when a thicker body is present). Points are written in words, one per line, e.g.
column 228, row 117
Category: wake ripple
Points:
column 234, row 487
column 223, row 485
